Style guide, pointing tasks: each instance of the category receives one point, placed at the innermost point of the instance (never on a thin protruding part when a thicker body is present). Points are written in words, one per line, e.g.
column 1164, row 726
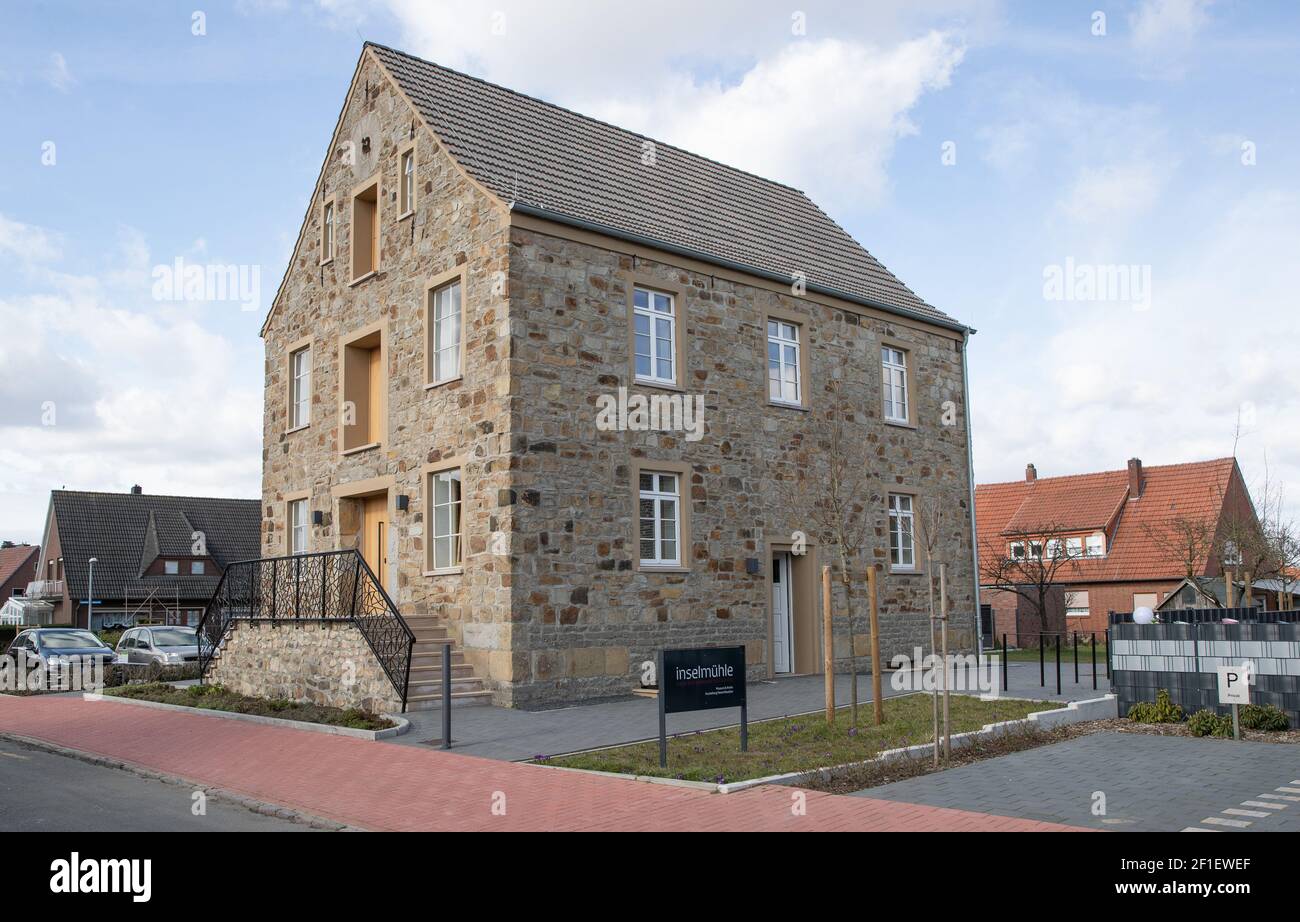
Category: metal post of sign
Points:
column 1004, row 662
column 744, row 727
column 1058, row 664
column 1236, row 724
column 446, row 695
column 663, row 715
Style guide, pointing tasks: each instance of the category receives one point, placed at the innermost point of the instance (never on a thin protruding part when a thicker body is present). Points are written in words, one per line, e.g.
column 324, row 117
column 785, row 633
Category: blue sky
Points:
column 1122, row 149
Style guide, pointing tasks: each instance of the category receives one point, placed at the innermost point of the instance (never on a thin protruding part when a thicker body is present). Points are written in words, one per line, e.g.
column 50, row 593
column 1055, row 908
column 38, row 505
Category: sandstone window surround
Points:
column 444, row 327
column 296, row 518
column 367, row 202
column 363, row 392
column 787, row 363
column 902, row 533
column 656, row 314
column 661, row 536
column 300, row 384
column 406, row 160
column 898, row 409
column 443, row 518
column 328, row 230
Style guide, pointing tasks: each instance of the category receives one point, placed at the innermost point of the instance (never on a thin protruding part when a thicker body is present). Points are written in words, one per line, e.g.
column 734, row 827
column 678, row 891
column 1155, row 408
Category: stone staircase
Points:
column 425, row 691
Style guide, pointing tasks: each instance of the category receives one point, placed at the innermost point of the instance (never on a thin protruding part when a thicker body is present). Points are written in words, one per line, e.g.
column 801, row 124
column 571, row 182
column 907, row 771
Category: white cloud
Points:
column 1163, row 33
column 26, row 243
column 58, row 75
column 139, row 392
column 1117, row 193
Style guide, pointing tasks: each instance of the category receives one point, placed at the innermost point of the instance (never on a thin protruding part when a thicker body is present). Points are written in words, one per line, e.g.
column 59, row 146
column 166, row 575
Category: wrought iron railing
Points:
column 307, row 588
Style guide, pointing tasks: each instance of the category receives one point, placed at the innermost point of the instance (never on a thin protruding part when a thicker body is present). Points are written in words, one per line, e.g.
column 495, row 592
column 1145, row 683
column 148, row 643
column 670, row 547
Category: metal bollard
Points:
column 446, row 695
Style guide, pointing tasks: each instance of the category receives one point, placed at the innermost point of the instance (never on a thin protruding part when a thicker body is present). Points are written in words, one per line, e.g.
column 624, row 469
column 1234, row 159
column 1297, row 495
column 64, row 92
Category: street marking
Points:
column 1199, row 829
column 1233, row 811
column 14, row 755
column 1288, row 790
column 1265, row 804
column 1294, row 800
column 1220, row 821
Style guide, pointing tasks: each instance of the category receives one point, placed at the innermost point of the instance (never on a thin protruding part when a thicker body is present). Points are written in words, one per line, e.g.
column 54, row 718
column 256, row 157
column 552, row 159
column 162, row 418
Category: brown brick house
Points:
column 481, row 275
column 1112, row 523
column 17, row 569
column 157, row 558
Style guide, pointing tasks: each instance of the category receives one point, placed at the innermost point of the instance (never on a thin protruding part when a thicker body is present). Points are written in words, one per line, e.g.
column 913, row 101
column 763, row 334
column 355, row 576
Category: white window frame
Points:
column 296, row 531
column 329, row 231
column 453, row 533
column 902, row 523
column 653, row 319
column 786, row 372
column 1055, row 549
column 1095, row 546
column 444, row 308
column 407, row 167
column 657, row 494
column 893, row 364
column 1073, row 547
column 1072, row 607
column 300, row 388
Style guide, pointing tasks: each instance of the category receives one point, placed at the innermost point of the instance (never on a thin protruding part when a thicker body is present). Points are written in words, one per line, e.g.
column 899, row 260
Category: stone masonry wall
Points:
column 313, row 663
column 585, row 617
column 454, row 224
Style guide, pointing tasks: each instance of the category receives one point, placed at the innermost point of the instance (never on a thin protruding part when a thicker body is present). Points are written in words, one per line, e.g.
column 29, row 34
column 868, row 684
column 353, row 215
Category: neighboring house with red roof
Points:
column 17, row 568
column 1116, row 528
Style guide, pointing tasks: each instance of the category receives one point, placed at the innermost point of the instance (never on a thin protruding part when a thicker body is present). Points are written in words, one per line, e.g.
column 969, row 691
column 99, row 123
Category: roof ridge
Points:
column 237, row 499
column 596, row 121
column 1145, row 469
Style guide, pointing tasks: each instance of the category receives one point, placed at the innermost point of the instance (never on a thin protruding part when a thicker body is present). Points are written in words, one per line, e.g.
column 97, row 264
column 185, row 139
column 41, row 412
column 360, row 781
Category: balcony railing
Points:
column 44, row 589
column 311, row 588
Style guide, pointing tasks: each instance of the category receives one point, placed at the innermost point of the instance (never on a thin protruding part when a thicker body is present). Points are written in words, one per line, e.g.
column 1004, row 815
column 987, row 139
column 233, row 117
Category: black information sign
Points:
column 699, row 680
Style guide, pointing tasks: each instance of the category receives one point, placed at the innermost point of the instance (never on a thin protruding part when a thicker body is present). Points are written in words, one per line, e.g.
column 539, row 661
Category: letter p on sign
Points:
column 1234, row 685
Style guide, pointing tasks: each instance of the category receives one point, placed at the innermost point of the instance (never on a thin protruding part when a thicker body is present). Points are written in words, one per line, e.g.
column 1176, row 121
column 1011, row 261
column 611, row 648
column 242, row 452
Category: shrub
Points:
column 1163, row 711
column 1266, row 717
column 1207, row 723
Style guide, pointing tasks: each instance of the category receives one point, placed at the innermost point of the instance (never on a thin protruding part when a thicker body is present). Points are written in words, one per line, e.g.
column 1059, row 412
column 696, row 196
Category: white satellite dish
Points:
column 1143, row 615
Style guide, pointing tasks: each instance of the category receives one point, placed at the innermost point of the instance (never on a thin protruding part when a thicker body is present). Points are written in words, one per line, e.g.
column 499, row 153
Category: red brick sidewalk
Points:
column 383, row 786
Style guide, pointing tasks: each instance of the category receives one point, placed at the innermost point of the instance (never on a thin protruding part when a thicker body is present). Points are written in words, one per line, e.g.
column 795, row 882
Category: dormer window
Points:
column 172, row 567
column 197, row 568
column 1096, row 545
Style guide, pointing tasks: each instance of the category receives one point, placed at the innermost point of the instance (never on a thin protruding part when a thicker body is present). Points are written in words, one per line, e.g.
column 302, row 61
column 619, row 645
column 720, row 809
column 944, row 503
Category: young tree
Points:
column 837, row 503
column 1029, row 563
column 1186, row 538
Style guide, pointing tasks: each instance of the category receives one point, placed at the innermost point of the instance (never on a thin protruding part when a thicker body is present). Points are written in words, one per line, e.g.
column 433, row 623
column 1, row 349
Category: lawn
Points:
column 796, row 743
column 216, row 698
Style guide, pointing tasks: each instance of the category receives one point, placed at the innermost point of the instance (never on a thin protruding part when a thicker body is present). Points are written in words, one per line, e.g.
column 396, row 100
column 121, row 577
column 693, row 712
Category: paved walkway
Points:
column 380, row 786
column 1150, row 783
column 514, row 735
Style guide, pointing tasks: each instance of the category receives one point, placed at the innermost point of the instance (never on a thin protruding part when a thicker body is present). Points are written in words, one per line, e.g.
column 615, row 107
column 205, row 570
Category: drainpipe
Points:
column 970, row 473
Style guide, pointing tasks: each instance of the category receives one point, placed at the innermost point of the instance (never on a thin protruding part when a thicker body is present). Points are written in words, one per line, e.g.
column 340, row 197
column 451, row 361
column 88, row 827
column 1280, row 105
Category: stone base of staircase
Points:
column 425, row 690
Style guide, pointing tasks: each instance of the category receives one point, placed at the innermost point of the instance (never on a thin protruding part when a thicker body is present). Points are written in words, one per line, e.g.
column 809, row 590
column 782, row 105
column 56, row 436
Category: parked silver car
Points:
column 166, row 646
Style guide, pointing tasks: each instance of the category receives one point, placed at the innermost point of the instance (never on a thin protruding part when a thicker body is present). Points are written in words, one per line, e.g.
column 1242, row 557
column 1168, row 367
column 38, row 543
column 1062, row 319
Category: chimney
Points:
column 137, row 489
column 1031, row 473
column 1134, row 478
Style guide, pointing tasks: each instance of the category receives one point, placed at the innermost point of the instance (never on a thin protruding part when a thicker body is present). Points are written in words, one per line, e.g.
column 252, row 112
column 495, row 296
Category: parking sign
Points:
column 1234, row 685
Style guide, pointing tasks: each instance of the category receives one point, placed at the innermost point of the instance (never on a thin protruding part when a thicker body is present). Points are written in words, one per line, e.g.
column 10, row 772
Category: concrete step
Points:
column 470, row 684
column 429, row 658
column 424, row 673
column 458, row 699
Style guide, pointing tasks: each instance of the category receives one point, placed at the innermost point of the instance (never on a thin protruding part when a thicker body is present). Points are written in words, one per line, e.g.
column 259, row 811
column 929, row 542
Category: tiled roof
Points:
column 121, row 530
column 13, row 559
column 537, row 155
column 1088, row 502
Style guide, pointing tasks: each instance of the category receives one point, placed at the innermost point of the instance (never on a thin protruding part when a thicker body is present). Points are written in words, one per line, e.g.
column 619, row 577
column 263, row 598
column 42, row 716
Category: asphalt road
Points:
column 40, row 790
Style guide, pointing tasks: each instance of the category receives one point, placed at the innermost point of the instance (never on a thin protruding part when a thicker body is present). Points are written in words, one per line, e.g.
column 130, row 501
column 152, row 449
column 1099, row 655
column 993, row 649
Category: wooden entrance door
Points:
column 374, row 535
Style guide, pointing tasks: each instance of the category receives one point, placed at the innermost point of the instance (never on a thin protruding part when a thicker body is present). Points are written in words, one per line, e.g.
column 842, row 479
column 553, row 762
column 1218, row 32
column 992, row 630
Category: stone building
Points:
column 487, row 287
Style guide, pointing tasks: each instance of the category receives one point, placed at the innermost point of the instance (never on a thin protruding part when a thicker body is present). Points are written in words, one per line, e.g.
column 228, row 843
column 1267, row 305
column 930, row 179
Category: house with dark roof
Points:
column 1141, row 536
column 540, row 371
column 111, row 559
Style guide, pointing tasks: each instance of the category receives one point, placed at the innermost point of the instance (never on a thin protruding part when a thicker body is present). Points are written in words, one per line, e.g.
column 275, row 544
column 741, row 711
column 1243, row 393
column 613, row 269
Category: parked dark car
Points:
column 57, row 646
column 166, row 646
